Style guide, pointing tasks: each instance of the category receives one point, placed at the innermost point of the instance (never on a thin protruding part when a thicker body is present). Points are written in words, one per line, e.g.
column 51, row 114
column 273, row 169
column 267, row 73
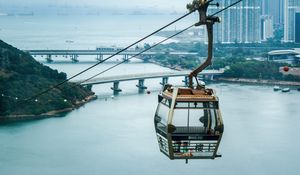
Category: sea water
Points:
column 115, row 134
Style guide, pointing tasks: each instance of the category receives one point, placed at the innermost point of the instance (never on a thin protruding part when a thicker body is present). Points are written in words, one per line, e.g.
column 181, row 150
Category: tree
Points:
column 147, row 46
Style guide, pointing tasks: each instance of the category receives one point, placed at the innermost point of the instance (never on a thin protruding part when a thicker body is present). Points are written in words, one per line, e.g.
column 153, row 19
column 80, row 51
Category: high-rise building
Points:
column 266, row 27
column 297, row 27
column 240, row 24
column 290, row 8
column 277, row 11
column 274, row 8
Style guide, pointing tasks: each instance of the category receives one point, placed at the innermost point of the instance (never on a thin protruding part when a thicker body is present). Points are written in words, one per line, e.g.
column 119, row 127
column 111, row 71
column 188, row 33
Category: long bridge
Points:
column 99, row 53
column 206, row 74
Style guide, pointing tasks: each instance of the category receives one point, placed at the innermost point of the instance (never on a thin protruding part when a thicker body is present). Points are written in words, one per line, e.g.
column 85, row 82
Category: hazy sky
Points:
column 170, row 5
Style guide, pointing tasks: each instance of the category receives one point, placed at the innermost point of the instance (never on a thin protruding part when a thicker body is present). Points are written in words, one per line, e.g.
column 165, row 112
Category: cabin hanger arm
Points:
column 201, row 6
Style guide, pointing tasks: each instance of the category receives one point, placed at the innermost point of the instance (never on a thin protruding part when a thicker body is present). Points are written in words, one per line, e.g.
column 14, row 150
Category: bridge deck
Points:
column 97, row 52
column 110, row 79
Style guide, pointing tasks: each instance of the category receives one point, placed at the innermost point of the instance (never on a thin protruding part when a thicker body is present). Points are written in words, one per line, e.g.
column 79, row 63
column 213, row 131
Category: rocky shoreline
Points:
column 54, row 113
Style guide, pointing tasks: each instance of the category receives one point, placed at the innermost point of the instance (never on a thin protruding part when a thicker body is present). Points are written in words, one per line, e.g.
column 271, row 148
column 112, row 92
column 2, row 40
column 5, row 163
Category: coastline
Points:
column 239, row 80
column 178, row 68
column 49, row 114
column 258, row 82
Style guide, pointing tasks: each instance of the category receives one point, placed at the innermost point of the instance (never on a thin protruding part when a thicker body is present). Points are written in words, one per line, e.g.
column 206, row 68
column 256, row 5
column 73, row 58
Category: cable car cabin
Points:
column 188, row 123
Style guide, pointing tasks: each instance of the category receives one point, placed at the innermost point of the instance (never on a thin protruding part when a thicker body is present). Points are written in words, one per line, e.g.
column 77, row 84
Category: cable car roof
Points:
column 191, row 95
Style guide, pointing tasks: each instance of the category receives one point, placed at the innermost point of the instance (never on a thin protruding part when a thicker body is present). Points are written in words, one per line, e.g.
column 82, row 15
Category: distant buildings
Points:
column 266, row 27
column 274, row 8
column 290, row 9
column 284, row 15
column 240, row 24
column 285, row 56
column 254, row 21
column 297, row 27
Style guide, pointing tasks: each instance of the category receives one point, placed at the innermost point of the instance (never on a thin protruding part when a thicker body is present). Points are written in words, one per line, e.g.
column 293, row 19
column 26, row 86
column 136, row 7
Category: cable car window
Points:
column 162, row 114
column 194, row 117
column 213, row 105
column 180, row 117
column 166, row 102
column 212, row 114
column 189, row 120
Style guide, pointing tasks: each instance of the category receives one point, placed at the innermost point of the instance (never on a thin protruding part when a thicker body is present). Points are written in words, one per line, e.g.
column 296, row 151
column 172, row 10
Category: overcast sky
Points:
column 169, row 5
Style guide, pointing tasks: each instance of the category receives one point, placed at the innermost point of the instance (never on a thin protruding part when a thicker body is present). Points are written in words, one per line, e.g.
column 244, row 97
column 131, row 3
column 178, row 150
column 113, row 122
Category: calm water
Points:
column 116, row 135
column 87, row 32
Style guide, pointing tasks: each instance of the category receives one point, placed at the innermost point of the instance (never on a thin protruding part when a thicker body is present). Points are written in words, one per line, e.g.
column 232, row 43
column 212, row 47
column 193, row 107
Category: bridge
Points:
column 99, row 53
column 206, row 74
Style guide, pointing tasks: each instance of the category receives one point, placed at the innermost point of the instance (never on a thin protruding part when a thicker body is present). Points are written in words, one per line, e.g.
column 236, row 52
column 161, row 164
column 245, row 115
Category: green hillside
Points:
column 22, row 77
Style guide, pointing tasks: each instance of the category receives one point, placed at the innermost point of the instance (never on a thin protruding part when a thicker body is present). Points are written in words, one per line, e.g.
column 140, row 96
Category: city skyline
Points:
column 291, row 7
column 240, row 24
column 251, row 21
column 254, row 21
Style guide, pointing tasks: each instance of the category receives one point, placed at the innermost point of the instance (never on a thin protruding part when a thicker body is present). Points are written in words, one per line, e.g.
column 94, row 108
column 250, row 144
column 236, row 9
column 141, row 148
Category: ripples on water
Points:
column 116, row 136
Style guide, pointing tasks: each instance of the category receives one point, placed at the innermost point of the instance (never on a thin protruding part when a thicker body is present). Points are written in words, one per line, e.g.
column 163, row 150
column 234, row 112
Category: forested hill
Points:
column 22, row 77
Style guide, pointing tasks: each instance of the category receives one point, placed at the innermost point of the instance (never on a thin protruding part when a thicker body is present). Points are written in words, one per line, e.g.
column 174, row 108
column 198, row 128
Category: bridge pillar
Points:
column 164, row 81
column 74, row 58
column 126, row 58
column 99, row 57
column 186, row 80
column 141, row 85
column 49, row 58
column 116, row 88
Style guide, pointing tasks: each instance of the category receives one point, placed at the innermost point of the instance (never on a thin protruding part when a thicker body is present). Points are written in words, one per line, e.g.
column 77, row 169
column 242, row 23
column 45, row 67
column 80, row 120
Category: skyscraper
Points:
column 290, row 9
column 297, row 27
column 240, row 23
column 274, row 8
column 266, row 27
column 253, row 11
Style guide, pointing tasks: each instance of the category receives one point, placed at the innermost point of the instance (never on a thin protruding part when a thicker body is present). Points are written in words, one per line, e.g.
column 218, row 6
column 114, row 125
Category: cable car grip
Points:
column 201, row 6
